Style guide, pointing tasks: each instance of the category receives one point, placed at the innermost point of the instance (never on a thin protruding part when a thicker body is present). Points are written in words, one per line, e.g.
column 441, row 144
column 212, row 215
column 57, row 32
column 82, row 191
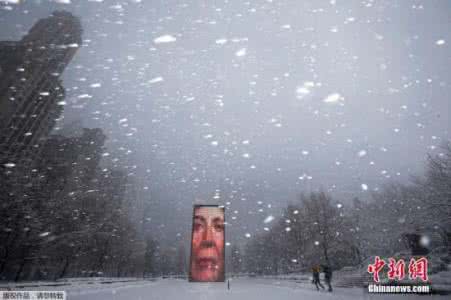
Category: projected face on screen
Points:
column 207, row 244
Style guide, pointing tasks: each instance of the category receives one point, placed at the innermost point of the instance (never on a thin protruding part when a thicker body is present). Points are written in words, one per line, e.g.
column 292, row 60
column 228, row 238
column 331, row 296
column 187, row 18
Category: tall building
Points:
column 31, row 94
column 71, row 163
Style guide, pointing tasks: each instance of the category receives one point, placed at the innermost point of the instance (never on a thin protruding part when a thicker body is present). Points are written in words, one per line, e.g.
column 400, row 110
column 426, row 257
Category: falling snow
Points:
column 164, row 39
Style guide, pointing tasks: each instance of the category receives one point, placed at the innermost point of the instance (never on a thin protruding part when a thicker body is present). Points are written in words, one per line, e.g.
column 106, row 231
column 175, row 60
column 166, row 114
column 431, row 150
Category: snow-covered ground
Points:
column 240, row 288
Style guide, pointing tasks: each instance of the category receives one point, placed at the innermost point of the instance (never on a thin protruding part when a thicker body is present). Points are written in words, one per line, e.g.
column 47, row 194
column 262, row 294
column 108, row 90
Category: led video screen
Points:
column 207, row 244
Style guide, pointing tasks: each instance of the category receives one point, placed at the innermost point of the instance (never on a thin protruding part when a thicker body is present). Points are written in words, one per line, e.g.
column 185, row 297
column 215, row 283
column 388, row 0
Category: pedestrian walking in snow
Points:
column 328, row 276
column 315, row 277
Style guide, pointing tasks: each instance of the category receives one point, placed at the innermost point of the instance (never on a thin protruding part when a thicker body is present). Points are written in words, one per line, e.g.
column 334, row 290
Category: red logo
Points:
column 376, row 268
column 397, row 269
column 418, row 268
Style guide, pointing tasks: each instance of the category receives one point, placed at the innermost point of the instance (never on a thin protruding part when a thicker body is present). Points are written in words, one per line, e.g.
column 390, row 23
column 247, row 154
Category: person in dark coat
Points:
column 315, row 277
column 328, row 276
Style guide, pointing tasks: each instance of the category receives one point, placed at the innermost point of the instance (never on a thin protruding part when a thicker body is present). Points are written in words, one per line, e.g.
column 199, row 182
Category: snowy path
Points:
column 249, row 289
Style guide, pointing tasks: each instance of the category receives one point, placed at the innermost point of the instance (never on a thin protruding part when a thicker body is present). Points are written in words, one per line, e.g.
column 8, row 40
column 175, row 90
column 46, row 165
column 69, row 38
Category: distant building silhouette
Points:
column 71, row 162
column 31, row 94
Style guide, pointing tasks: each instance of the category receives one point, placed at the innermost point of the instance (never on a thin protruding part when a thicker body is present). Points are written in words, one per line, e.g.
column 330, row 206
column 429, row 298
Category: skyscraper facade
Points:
column 31, row 94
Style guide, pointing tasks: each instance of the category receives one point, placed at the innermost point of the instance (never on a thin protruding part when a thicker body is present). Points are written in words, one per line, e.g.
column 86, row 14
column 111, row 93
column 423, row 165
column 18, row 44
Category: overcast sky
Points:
column 249, row 103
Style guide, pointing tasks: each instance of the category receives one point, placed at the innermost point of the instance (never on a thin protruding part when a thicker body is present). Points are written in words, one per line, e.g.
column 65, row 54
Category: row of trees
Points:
column 319, row 230
column 315, row 230
column 70, row 217
column 73, row 218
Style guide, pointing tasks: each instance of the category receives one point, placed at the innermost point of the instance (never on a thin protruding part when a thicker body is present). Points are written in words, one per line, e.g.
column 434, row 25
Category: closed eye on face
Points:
column 199, row 223
column 218, row 224
column 198, row 226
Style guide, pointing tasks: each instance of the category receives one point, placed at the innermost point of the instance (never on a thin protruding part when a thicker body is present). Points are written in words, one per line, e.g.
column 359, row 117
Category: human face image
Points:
column 207, row 244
